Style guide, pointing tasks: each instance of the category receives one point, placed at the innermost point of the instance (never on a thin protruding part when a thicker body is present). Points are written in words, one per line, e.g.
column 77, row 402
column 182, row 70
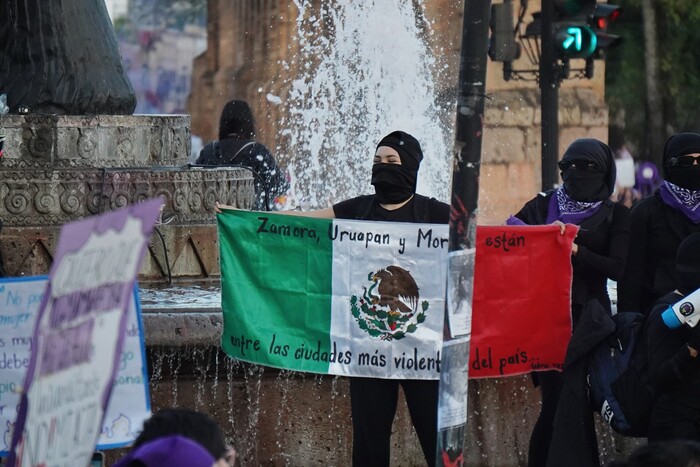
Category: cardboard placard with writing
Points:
column 79, row 336
column 129, row 405
column 360, row 298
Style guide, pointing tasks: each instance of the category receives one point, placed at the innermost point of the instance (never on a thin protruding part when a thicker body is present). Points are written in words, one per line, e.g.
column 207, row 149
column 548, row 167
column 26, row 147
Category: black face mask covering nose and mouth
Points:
column 585, row 186
column 393, row 183
column 684, row 177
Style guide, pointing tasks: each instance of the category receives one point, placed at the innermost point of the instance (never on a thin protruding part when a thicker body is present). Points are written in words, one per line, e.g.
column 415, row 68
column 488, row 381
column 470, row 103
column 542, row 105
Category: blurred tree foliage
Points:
column 678, row 34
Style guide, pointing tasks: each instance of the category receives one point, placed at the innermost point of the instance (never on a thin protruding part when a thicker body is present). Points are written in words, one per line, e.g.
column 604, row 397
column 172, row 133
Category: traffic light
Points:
column 602, row 16
column 575, row 40
column 573, row 37
column 502, row 44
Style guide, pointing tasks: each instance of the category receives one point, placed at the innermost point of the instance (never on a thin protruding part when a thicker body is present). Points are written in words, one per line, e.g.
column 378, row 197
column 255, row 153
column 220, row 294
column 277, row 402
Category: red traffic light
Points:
column 603, row 15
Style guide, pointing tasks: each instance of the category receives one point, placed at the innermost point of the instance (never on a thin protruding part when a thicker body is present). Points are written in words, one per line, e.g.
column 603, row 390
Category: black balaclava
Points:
column 688, row 264
column 582, row 185
column 394, row 183
column 236, row 121
column 680, row 145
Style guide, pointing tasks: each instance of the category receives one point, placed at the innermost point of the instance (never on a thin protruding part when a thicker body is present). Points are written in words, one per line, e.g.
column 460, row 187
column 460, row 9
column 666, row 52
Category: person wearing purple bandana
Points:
column 659, row 224
column 598, row 254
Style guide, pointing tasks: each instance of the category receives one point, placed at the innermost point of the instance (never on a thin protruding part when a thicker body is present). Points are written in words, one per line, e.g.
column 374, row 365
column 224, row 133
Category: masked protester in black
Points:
column 564, row 433
column 659, row 224
column 395, row 183
column 374, row 401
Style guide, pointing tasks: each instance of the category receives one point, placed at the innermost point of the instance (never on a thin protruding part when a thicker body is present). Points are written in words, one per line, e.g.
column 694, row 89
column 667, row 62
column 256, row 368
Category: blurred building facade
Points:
column 158, row 40
column 248, row 40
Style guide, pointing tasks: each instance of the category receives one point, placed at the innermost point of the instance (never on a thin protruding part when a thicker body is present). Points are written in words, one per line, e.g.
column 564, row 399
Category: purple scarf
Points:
column 569, row 211
column 563, row 208
column 684, row 200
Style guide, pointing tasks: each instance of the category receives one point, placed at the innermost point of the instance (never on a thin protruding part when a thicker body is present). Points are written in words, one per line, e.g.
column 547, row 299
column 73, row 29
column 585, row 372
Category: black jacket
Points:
column 268, row 178
column 419, row 209
column 673, row 372
column 656, row 232
column 573, row 436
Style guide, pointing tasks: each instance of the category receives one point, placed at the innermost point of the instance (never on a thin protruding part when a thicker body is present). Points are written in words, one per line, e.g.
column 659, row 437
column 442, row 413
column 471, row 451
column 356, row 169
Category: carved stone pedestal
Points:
column 57, row 169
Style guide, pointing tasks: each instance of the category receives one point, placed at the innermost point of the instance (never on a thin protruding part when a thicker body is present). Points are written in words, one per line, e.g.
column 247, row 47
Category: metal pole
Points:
column 549, row 103
column 452, row 407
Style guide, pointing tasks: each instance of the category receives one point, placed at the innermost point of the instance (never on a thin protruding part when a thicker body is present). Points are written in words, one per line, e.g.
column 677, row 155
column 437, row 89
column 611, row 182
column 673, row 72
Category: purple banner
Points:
column 79, row 335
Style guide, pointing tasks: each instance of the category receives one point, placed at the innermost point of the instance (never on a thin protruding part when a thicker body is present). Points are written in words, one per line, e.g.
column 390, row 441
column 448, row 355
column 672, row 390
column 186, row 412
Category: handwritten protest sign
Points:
column 290, row 272
column 522, row 300
column 129, row 405
column 79, row 335
column 367, row 298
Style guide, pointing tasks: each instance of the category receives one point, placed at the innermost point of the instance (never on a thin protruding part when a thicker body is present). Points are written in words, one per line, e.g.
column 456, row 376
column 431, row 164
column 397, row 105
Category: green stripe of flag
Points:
column 276, row 270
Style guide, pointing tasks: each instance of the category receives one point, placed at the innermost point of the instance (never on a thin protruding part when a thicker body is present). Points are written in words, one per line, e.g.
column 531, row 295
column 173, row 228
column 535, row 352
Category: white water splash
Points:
column 366, row 71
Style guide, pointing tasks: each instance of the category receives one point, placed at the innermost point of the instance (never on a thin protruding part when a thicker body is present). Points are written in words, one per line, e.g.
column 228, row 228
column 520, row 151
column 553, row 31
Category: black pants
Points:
column 574, row 427
column 550, row 383
column 373, row 402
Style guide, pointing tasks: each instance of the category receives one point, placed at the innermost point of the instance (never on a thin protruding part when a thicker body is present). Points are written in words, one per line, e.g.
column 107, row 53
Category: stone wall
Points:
column 511, row 156
column 246, row 42
column 60, row 169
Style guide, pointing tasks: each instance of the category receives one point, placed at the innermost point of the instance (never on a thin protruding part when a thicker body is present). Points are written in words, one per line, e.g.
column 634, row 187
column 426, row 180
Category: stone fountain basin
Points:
column 190, row 314
column 42, row 197
column 35, row 203
column 182, row 315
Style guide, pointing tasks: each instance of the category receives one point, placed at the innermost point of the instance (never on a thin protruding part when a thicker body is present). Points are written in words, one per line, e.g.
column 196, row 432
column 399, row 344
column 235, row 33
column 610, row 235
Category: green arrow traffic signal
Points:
column 575, row 41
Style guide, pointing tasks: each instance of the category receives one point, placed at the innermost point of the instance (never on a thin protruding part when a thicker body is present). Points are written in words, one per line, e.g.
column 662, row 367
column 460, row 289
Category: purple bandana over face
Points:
column 682, row 199
column 569, row 211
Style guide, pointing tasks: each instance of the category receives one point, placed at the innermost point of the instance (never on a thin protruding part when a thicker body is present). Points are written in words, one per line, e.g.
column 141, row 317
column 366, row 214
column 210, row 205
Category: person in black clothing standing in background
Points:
column 374, row 401
column 598, row 253
column 237, row 147
column 672, row 356
column 659, row 224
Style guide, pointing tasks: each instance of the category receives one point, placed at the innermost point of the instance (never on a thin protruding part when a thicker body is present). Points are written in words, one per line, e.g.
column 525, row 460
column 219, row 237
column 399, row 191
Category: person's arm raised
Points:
column 325, row 213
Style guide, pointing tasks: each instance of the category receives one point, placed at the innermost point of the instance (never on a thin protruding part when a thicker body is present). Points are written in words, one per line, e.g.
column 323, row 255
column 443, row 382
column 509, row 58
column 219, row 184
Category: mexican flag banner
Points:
column 282, row 275
column 362, row 298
